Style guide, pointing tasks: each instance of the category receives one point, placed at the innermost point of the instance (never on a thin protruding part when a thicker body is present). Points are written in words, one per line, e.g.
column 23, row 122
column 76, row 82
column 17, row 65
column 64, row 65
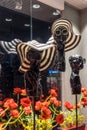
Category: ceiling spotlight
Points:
column 57, row 12
column 26, row 25
column 8, row 19
column 18, row 4
column 36, row 6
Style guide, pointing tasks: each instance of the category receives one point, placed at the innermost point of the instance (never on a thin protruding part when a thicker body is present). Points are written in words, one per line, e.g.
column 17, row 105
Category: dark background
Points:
column 16, row 28
column 10, row 77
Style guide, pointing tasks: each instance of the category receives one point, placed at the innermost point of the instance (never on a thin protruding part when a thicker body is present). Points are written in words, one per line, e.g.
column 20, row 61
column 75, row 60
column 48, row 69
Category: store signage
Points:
column 53, row 71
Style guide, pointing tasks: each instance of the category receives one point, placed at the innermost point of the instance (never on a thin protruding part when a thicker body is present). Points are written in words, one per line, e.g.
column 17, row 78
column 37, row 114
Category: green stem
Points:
column 48, row 98
column 21, row 122
column 16, row 119
column 7, row 123
column 53, row 110
column 13, row 122
column 54, row 125
column 3, row 112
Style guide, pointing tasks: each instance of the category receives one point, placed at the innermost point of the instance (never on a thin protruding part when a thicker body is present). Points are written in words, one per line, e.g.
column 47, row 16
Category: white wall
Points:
column 74, row 16
column 83, row 48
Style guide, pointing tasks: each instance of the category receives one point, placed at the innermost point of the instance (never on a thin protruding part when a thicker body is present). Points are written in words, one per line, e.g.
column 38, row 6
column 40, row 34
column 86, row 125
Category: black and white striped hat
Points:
column 72, row 40
column 47, row 57
column 9, row 47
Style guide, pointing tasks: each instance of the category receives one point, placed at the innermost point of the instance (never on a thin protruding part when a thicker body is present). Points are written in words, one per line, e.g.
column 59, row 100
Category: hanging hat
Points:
column 47, row 56
column 72, row 40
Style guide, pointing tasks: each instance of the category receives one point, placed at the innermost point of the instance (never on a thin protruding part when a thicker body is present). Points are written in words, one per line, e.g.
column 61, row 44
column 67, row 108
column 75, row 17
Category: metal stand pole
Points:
column 33, row 112
column 76, row 112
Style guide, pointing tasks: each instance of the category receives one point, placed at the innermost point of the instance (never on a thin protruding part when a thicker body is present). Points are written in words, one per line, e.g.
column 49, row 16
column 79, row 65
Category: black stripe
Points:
column 68, row 49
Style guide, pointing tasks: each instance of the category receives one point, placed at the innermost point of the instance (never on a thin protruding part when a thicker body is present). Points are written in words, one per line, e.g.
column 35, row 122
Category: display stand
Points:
column 76, row 63
column 76, row 112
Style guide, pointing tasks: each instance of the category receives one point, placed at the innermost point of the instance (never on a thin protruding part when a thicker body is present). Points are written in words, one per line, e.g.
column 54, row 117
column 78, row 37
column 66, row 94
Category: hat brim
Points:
column 47, row 57
column 72, row 40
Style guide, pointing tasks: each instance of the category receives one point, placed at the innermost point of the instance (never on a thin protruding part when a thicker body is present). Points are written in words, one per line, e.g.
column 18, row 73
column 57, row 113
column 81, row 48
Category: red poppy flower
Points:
column 52, row 99
column 10, row 103
column 56, row 88
column 25, row 102
column 53, row 93
column 45, row 104
column 2, row 112
column 14, row 113
column 84, row 101
column 44, row 117
column 45, row 113
column 83, row 89
column 17, row 90
column 55, row 101
column 60, row 118
column 23, row 92
column 38, row 105
column 84, row 104
column 27, row 110
column 69, row 106
column 45, row 110
column 6, row 99
column 85, row 93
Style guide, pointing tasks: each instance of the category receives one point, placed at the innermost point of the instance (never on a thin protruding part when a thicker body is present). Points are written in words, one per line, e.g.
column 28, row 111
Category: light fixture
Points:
column 36, row 6
column 18, row 4
column 8, row 19
column 26, row 25
column 57, row 12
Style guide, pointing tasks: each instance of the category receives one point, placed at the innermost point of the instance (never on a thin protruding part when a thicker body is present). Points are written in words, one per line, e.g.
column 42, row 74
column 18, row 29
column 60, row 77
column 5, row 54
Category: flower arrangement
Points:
column 70, row 111
column 20, row 111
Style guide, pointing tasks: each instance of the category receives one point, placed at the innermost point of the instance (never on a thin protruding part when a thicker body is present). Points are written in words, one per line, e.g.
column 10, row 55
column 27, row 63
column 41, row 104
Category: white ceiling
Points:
column 59, row 4
column 47, row 7
column 79, row 4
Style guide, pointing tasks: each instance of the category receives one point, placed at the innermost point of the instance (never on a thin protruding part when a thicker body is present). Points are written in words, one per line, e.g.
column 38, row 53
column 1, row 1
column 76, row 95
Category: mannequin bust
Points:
column 76, row 63
column 60, row 35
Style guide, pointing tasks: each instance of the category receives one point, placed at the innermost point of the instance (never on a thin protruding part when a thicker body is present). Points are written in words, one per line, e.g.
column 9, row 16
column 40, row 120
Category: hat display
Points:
column 72, row 40
column 47, row 57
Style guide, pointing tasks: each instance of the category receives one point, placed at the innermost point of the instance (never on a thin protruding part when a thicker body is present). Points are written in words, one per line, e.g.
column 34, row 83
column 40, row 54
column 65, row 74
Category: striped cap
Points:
column 72, row 40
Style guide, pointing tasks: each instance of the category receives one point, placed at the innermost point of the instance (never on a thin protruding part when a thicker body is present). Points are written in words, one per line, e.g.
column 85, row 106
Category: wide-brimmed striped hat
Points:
column 9, row 47
column 47, row 57
column 72, row 40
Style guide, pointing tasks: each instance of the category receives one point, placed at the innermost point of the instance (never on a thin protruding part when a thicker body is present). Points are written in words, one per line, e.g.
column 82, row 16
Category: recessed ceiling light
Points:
column 57, row 12
column 18, row 4
column 36, row 6
column 8, row 19
column 26, row 25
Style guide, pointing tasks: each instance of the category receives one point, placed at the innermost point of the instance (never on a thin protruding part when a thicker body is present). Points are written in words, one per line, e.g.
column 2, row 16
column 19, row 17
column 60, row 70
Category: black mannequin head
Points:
column 60, row 34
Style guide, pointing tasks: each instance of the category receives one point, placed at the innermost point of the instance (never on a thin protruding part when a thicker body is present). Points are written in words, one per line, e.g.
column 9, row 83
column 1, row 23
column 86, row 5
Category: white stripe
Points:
column 17, row 40
column 10, row 47
column 5, row 46
column 50, row 40
column 39, row 46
